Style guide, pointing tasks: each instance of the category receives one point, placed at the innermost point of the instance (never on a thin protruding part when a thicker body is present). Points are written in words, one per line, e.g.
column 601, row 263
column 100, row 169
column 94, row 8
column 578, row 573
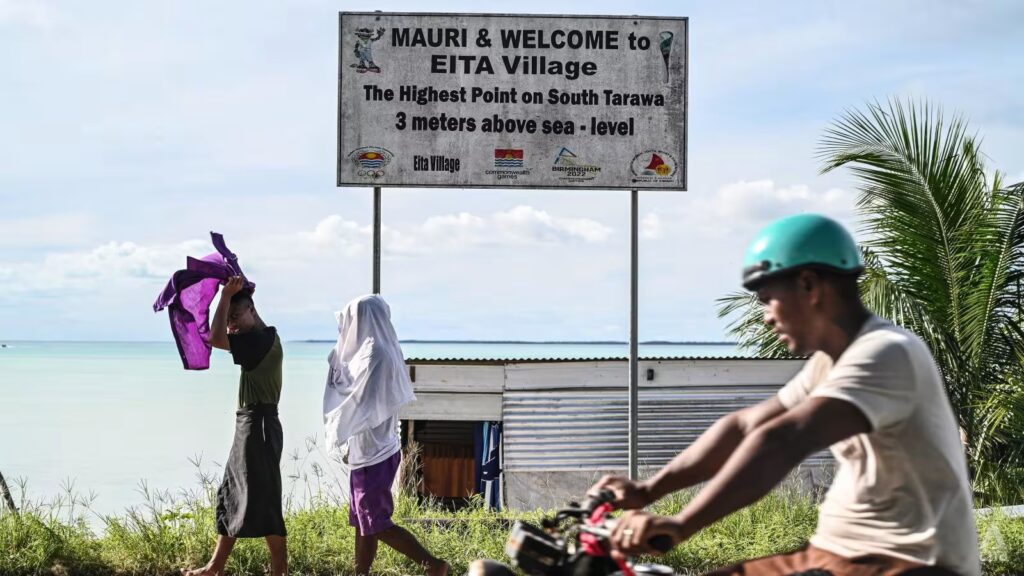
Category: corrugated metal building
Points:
column 565, row 421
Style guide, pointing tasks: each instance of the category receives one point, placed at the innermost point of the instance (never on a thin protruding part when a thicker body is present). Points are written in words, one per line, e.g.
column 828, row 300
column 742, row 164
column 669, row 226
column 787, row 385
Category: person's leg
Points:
column 366, row 551
column 215, row 567
column 273, row 447
column 370, row 511
column 278, row 546
column 406, row 544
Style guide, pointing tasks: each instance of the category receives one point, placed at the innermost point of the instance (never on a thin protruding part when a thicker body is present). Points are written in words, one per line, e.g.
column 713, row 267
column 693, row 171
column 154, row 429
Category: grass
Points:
column 174, row 530
column 780, row 522
column 1002, row 543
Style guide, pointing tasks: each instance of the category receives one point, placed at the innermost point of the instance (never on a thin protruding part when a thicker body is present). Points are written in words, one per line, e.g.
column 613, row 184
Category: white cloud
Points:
column 518, row 226
column 98, row 267
column 650, row 226
column 336, row 233
column 763, row 199
column 527, row 225
column 522, row 225
column 333, row 236
column 745, row 206
column 48, row 230
column 35, row 13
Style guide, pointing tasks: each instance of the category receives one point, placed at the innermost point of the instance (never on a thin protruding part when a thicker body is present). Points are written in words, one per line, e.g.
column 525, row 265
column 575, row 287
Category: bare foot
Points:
column 440, row 569
column 204, row 571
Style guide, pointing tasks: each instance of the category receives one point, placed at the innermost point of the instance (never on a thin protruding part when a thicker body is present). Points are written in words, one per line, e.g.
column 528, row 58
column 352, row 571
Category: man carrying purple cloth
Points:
column 366, row 385
column 249, row 498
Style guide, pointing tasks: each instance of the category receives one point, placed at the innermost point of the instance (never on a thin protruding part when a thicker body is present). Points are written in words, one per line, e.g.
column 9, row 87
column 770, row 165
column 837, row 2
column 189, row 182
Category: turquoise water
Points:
column 108, row 416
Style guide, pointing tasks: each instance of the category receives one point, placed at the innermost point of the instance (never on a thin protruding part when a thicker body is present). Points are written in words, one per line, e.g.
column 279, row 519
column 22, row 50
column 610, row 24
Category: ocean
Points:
column 106, row 418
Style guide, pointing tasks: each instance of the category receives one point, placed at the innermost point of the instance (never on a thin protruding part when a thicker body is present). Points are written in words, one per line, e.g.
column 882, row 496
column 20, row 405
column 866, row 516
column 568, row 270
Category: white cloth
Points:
column 367, row 383
column 374, row 445
column 903, row 489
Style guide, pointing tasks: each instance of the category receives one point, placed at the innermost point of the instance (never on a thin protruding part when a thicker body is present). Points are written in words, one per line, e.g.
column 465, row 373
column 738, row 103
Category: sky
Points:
column 129, row 130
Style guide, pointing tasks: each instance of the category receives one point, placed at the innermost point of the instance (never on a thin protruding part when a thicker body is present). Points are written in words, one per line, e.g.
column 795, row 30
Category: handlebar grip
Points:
column 594, row 500
column 661, row 543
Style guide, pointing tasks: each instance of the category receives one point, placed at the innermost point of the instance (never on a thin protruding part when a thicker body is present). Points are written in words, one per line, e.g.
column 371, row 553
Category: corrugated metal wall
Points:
column 585, row 428
column 572, row 430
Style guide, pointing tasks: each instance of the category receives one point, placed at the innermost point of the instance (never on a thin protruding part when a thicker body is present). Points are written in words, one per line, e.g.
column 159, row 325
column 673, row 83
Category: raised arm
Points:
column 219, row 325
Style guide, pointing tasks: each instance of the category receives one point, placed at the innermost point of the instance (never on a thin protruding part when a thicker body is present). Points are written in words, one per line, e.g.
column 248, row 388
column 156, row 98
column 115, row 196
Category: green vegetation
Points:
column 169, row 532
column 943, row 241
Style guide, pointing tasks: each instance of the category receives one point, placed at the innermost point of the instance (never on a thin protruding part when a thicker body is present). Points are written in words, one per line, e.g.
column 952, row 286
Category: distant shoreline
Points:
column 591, row 342
column 10, row 343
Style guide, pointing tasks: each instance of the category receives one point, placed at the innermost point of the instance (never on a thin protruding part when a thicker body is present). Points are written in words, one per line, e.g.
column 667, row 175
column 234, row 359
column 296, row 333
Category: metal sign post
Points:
column 376, row 239
column 634, row 377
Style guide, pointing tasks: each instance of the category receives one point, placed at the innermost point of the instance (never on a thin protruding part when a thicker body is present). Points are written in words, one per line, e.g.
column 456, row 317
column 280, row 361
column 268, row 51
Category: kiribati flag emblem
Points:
column 371, row 160
column 508, row 158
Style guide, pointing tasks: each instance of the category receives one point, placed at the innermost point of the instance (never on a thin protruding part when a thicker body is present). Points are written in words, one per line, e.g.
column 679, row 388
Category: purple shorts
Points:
column 370, row 506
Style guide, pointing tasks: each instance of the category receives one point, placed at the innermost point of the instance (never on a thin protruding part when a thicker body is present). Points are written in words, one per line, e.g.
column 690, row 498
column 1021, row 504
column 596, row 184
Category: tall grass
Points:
column 173, row 530
column 780, row 522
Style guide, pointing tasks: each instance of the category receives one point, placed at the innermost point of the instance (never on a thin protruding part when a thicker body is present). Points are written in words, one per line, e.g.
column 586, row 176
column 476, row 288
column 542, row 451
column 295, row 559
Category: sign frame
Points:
column 683, row 163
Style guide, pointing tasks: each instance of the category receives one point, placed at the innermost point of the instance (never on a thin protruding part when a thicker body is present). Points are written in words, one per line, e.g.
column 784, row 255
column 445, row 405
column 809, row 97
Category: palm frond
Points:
column 994, row 298
column 748, row 326
column 921, row 198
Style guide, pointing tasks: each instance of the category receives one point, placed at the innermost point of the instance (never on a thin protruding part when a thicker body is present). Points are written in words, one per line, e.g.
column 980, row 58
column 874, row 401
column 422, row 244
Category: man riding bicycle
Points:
column 901, row 500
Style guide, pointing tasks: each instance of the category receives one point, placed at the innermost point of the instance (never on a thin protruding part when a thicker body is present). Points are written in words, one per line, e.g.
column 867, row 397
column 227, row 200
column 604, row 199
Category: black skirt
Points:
column 249, row 498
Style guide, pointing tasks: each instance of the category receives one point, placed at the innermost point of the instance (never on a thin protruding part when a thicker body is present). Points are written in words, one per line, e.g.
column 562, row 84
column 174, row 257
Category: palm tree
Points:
column 943, row 245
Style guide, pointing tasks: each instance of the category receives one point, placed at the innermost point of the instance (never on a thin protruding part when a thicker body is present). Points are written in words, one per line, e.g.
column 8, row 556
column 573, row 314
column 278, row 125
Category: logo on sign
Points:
column 654, row 166
column 364, row 49
column 572, row 168
column 509, row 164
column 370, row 161
column 508, row 158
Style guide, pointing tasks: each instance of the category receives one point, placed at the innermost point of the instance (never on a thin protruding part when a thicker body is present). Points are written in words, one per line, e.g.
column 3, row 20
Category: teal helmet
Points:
column 801, row 241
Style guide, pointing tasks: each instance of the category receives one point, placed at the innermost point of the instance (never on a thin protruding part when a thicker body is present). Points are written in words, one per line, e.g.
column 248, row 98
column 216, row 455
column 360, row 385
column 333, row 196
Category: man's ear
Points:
column 810, row 284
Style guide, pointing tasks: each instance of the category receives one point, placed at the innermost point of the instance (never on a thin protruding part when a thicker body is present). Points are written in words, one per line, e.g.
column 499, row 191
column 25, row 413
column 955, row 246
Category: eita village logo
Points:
column 509, row 164
column 654, row 166
column 370, row 161
column 572, row 168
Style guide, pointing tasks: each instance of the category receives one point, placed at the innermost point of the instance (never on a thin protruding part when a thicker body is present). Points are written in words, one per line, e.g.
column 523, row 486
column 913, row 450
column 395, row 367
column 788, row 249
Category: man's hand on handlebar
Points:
column 638, row 532
column 629, row 494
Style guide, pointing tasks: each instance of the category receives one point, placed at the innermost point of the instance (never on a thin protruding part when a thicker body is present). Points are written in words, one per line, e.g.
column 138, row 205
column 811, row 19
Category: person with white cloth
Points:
column 367, row 383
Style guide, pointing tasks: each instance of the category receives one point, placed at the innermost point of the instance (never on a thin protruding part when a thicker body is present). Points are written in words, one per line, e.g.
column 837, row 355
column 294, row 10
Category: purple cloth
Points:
column 370, row 504
column 187, row 298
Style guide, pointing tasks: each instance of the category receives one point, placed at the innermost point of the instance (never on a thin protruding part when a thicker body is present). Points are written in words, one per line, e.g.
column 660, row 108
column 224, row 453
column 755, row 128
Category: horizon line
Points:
column 414, row 341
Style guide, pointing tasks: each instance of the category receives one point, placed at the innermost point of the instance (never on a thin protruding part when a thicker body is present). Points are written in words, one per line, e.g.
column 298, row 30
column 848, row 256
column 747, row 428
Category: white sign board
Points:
column 512, row 101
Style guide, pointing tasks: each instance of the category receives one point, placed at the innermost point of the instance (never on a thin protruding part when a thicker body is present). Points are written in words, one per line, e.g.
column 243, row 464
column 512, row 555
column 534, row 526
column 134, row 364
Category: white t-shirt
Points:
column 903, row 489
column 374, row 445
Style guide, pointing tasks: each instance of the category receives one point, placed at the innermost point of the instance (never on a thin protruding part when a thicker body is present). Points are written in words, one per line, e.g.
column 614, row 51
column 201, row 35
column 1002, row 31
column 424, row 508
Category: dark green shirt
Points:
column 260, row 355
